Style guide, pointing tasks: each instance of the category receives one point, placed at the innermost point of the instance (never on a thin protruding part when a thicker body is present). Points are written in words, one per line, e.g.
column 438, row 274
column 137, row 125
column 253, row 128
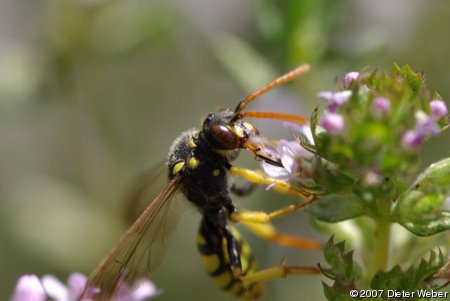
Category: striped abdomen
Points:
column 212, row 246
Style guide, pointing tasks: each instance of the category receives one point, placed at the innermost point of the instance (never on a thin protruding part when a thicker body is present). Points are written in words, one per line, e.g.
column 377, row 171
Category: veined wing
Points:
column 144, row 188
column 132, row 257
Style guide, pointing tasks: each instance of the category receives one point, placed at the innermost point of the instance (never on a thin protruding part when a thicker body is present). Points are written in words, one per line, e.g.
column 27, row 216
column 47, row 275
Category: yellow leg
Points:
column 264, row 217
column 281, row 271
column 278, row 185
column 269, row 233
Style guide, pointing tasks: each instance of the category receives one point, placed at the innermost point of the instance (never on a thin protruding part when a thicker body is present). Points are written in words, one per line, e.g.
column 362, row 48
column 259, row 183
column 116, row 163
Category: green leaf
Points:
column 313, row 124
column 436, row 176
column 332, row 294
column 342, row 269
column 415, row 80
column 420, row 208
column 416, row 277
column 337, row 207
column 421, row 213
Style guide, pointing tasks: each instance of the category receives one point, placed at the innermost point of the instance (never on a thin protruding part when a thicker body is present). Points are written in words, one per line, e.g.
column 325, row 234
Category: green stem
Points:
column 380, row 255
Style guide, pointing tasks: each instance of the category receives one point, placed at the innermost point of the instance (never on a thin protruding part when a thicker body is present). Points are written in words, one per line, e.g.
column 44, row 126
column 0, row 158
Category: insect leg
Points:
column 257, row 177
column 269, row 232
column 232, row 245
column 280, row 271
column 264, row 217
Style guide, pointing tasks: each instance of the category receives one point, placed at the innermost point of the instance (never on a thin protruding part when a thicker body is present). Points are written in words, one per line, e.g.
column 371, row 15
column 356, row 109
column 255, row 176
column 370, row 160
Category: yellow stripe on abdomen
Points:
column 216, row 263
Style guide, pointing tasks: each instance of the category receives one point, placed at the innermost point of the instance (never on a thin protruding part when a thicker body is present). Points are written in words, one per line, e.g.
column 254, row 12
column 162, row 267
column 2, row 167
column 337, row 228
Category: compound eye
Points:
column 223, row 137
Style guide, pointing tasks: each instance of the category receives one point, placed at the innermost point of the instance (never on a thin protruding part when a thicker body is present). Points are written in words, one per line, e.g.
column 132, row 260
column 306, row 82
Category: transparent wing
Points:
column 133, row 256
column 144, row 188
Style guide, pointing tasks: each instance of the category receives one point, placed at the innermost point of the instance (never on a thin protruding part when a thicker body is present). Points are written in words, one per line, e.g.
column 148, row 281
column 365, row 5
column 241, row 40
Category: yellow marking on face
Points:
column 193, row 162
column 249, row 126
column 210, row 263
column 222, row 280
column 191, row 143
column 216, row 172
column 177, row 167
column 239, row 131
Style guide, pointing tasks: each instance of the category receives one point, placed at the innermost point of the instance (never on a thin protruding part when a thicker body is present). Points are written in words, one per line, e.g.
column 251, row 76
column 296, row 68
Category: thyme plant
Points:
column 362, row 157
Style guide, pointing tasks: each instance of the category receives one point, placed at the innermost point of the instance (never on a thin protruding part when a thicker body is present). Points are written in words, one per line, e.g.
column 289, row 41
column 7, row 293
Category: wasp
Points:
column 199, row 166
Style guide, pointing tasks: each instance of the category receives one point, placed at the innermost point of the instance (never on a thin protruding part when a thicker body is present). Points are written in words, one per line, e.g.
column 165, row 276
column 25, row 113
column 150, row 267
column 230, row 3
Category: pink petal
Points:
column 55, row 288
column 76, row 284
column 275, row 171
column 28, row 288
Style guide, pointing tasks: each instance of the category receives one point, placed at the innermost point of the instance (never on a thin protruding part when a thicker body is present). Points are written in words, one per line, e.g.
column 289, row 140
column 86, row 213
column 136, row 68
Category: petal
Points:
column 411, row 140
column 28, row 288
column 333, row 123
column 349, row 77
column 289, row 163
column 438, row 109
column 293, row 147
column 381, row 105
column 335, row 99
column 274, row 171
column 342, row 97
column 308, row 134
column 140, row 291
column 123, row 292
column 76, row 284
column 55, row 288
column 144, row 290
column 327, row 95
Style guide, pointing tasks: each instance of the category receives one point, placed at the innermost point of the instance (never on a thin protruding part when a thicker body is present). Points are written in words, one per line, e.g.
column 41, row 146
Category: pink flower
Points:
column 438, row 109
column 349, row 77
column 426, row 125
column 139, row 291
column 335, row 99
column 31, row 288
column 28, row 288
column 381, row 105
column 412, row 140
column 72, row 292
column 292, row 156
column 333, row 123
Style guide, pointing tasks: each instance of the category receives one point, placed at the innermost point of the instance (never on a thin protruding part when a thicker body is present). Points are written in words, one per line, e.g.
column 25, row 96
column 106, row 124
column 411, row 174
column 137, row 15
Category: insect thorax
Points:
column 202, row 172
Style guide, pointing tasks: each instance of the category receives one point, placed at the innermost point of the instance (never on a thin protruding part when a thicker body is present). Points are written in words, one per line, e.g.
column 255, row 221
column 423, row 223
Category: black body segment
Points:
column 200, row 161
column 217, row 260
column 199, row 166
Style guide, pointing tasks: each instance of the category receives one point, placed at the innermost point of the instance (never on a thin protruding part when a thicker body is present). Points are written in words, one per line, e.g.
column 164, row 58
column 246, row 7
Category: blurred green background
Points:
column 93, row 92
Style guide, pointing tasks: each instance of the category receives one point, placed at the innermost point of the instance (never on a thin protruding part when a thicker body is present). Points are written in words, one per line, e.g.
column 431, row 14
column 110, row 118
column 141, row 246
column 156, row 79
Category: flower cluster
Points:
column 333, row 122
column 378, row 122
column 363, row 151
column 360, row 158
column 33, row 288
column 426, row 125
column 294, row 158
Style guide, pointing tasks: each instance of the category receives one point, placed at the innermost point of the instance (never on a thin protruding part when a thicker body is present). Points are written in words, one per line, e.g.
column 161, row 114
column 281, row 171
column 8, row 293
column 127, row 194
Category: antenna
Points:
column 300, row 70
